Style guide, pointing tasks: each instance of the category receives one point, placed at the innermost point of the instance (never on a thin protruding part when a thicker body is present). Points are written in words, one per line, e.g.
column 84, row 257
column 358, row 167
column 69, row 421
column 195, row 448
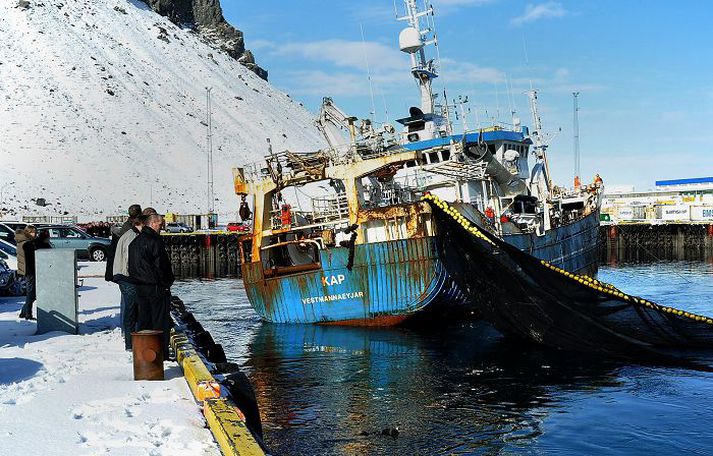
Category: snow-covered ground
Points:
column 103, row 104
column 63, row 394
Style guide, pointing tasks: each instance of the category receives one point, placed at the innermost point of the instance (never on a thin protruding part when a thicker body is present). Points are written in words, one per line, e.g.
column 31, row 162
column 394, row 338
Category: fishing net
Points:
column 531, row 299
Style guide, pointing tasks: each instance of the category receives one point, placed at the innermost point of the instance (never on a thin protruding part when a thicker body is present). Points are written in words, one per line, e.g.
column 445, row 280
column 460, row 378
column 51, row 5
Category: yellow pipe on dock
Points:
column 224, row 418
column 228, row 425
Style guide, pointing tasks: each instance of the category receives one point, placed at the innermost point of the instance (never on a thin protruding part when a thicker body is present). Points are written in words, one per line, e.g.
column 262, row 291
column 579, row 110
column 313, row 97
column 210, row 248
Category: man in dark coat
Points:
column 26, row 266
column 29, row 247
column 150, row 267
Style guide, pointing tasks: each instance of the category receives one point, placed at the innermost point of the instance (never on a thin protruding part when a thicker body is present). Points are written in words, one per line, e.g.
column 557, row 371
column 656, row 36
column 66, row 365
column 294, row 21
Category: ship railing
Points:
column 256, row 171
column 495, row 126
column 330, row 209
column 417, row 178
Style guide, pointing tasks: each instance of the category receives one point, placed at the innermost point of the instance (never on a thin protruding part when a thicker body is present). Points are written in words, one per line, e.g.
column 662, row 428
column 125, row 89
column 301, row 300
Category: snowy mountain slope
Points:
column 103, row 104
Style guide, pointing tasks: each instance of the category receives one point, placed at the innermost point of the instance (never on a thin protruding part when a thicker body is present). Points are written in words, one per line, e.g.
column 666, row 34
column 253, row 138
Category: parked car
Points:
column 178, row 227
column 8, row 252
column 70, row 237
column 239, row 227
column 14, row 226
column 7, row 233
column 10, row 282
column 6, row 276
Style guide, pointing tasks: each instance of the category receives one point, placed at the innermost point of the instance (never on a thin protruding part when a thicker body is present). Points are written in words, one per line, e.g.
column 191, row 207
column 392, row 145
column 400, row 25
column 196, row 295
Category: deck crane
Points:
column 331, row 121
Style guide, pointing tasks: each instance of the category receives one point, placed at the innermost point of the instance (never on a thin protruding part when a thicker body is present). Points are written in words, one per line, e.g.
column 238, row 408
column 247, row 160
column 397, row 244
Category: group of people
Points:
column 139, row 264
column 98, row 229
column 28, row 241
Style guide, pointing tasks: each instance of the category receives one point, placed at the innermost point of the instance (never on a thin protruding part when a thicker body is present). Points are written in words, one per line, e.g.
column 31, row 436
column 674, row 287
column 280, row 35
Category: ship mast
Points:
column 412, row 40
column 540, row 145
column 575, row 125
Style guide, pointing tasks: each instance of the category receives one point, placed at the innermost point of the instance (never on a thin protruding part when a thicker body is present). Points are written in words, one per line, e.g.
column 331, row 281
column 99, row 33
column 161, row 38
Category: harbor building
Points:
column 672, row 222
column 687, row 201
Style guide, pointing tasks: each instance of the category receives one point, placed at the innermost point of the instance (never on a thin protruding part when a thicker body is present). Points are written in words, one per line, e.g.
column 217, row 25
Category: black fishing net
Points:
column 528, row 298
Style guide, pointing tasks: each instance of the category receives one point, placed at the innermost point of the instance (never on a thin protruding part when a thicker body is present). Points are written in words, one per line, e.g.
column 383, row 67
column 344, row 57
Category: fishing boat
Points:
column 341, row 236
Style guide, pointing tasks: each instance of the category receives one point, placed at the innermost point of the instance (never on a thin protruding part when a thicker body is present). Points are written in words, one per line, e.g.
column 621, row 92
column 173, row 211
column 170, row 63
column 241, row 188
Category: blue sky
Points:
column 643, row 69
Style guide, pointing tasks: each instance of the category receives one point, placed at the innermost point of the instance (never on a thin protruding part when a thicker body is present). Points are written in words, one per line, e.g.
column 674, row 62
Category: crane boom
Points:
column 331, row 121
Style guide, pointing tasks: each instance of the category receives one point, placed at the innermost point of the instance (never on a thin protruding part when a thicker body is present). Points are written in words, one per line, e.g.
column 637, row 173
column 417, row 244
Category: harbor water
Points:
column 461, row 388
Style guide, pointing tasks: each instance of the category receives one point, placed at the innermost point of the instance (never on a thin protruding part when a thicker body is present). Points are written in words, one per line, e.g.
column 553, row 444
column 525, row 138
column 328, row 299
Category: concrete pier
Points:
column 216, row 255
column 205, row 255
column 654, row 242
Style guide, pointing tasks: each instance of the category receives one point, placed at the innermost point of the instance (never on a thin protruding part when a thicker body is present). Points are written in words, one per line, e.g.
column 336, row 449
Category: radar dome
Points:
column 410, row 40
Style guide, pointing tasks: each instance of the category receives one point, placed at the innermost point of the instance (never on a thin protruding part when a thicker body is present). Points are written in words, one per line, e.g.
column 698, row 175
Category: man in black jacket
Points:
column 41, row 241
column 150, row 267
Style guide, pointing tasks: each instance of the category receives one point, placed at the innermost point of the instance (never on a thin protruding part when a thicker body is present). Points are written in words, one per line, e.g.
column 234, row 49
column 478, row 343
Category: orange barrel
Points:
column 148, row 354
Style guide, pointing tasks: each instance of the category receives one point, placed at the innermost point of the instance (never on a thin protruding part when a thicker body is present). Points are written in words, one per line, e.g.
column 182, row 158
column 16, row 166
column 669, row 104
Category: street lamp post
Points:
column 209, row 145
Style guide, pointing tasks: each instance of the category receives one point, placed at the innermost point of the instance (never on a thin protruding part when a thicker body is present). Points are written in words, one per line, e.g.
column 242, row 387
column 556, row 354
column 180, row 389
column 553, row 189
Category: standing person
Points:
column 127, row 285
column 134, row 213
column 26, row 266
column 150, row 266
column 43, row 240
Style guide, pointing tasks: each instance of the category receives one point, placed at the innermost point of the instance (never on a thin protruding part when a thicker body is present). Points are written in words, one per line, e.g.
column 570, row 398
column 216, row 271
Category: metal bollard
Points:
column 148, row 354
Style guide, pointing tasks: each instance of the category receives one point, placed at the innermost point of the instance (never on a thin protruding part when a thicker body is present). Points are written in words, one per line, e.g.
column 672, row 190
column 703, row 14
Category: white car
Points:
column 178, row 227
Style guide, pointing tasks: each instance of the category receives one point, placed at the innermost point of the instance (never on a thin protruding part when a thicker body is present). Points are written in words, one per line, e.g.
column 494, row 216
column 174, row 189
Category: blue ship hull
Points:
column 389, row 282
column 572, row 247
column 393, row 281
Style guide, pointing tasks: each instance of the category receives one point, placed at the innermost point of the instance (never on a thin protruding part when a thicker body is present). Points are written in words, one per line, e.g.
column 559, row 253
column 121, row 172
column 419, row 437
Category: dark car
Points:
column 70, row 237
column 7, row 233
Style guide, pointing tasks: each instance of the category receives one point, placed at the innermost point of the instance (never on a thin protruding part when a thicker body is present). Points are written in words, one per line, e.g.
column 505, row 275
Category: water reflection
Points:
column 462, row 389
column 450, row 390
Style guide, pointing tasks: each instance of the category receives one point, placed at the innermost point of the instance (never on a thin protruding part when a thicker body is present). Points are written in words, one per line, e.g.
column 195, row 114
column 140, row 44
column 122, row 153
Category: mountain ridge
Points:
column 207, row 17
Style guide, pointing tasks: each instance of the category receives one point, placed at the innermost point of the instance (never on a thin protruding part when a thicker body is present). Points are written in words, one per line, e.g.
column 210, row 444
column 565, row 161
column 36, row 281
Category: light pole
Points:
column 209, row 144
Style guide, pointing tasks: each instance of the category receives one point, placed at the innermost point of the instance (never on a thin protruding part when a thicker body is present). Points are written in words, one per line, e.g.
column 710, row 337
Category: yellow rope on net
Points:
column 585, row 280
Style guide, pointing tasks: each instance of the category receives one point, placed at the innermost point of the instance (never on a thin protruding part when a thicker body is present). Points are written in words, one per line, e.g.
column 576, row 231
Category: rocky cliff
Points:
column 207, row 17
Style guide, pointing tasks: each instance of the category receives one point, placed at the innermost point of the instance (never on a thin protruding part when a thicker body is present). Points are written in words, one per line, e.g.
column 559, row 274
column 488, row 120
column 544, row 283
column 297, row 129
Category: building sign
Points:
column 625, row 213
column 702, row 213
column 678, row 212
